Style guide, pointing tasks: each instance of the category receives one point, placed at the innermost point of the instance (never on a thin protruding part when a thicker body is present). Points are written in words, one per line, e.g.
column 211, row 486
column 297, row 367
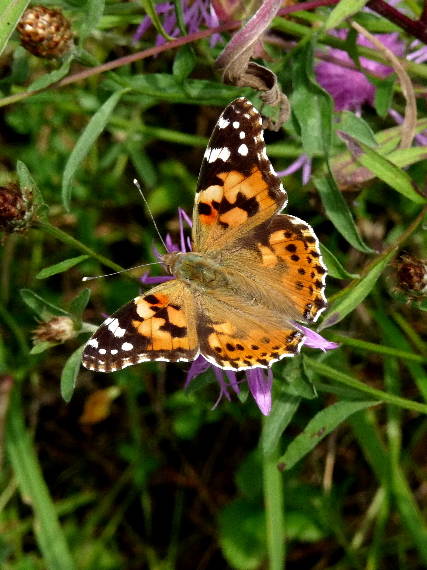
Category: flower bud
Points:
column 45, row 32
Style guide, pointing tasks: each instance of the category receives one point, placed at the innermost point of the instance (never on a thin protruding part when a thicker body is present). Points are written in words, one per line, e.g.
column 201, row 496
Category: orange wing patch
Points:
column 157, row 326
column 293, row 244
column 231, row 347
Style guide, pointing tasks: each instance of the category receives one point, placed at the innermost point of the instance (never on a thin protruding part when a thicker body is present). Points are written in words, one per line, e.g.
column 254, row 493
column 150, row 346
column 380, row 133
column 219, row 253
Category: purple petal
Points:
column 260, row 382
column 314, row 340
column 199, row 366
column 147, row 280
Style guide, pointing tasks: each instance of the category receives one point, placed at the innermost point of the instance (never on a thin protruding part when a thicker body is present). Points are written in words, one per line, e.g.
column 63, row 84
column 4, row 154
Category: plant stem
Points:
column 73, row 242
column 274, row 508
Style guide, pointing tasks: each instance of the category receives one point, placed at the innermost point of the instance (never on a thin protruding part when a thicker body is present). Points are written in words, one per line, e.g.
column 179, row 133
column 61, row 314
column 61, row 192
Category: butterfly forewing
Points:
column 237, row 188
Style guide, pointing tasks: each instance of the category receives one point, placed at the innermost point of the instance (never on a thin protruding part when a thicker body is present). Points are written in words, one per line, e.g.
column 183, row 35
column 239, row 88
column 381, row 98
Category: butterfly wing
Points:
column 159, row 325
column 237, row 188
column 276, row 278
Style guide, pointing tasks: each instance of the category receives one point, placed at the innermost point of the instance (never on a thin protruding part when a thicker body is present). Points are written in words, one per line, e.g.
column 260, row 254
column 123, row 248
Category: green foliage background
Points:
column 337, row 472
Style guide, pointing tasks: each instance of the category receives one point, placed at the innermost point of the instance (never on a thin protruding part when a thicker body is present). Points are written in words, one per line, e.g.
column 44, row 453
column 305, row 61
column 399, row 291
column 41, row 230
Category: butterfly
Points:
column 252, row 272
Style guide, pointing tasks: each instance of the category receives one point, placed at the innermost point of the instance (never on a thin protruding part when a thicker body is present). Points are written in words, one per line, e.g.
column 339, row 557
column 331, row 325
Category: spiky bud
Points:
column 58, row 329
column 45, row 32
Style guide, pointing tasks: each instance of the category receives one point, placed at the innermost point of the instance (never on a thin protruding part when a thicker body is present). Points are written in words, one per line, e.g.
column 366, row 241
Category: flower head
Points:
column 349, row 87
column 196, row 13
column 259, row 380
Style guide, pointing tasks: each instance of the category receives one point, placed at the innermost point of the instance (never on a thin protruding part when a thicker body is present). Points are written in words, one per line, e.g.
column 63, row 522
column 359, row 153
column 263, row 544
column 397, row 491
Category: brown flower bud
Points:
column 58, row 329
column 45, row 32
column 12, row 208
column 411, row 274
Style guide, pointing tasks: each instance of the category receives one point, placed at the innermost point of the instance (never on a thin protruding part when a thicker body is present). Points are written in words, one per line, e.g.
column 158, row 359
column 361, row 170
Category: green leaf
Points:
column 384, row 87
column 26, row 469
column 355, row 293
column 79, row 303
column 343, row 10
column 150, row 8
column 241, row 534
column 338, row 211
column 357, row 128
column 92, row 131
column 403, row 157
column 11, row 12
column 70, row 372
column 385, row 170
column 166, row 87
column 48, row 78
column 311, row 105
column 30, row 189
column 319, row 427
column 42, row 347
column 184, row 62
column 282, row 412
column 92, row 12
column 43, row 309
column 335, row 267
column 61, row 266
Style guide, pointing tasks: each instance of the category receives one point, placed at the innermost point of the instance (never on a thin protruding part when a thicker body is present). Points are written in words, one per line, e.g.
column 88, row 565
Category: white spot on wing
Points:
column 102, row 351
column 127, row 346
column 243, row 150
column 236, row 124
column 93, row 342
column 114, row 351
column 222, row 123
column 242, row 134
column 115, row 329
column 216, row 153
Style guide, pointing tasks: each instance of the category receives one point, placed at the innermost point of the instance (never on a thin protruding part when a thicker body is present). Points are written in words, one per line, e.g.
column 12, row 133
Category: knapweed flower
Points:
column 259, row 380
column 196, row 13
column 350, row 88
column 302, row 163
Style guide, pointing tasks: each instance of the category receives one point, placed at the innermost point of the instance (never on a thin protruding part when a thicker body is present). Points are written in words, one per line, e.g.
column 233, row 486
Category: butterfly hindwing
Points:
column 159, row 325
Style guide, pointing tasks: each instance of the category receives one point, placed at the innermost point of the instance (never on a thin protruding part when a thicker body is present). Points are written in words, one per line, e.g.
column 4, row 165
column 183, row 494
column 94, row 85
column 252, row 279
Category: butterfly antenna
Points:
column 117, row 272
column 135, row 181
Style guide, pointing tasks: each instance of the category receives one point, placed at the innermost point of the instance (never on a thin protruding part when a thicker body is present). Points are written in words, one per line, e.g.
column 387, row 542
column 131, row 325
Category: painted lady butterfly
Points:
column 252, row 273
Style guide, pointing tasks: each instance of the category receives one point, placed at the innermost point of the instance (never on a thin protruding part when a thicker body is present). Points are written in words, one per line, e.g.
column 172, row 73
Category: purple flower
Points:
column 303, row 163
column 349, row 87
column 196, row 13
column 259, row 380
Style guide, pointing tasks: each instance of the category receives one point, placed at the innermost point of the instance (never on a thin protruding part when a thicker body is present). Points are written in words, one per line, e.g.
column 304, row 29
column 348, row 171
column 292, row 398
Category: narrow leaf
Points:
column 93, row 11
column 40, row 306
column 92, row 131
column 42, row 347
column 70, row 372
column 311, row 105
column 184, row 62
column 356, row 292
column 79, row 303
column 11, row 13
column 357, row 128
column 319, row 427
column 26, row 468
column 150, row 9
column 52, row 77
column 338, row 211
column 385, row 170
column 343, row 10
column 275, row 423
column 335, row 267
column 61, row 266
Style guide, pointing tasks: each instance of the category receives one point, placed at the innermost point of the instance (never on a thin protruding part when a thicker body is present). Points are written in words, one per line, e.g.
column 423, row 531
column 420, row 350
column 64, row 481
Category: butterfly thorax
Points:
column 196, row 269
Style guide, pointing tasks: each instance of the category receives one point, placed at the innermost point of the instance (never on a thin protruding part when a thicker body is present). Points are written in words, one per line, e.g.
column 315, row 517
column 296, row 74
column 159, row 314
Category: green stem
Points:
column 274, row 508
column 342, row 378
column 378, row 348
column 73, row 242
